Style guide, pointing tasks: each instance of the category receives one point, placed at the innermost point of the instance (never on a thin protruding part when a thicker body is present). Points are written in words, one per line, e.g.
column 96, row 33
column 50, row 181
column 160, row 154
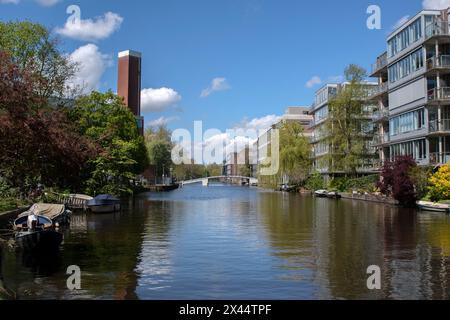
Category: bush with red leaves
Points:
column 397, row 181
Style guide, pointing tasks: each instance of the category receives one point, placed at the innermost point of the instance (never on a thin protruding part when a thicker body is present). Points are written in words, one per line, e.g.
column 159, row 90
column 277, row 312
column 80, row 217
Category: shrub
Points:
column 315, row 182
column 339, row 184
column 397, row 181
column 420, row 177
column 440, row 184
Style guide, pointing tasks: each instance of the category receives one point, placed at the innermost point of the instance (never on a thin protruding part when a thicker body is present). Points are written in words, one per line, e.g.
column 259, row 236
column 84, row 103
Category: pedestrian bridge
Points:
column 205, row 181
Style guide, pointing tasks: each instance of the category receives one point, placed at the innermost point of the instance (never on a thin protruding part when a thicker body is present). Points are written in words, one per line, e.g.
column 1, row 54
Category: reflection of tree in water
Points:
column 5, row 293
column 107, row 252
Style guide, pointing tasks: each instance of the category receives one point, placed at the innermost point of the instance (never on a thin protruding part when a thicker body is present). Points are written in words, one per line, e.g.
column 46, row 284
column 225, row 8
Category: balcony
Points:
column 439, row 126
column 381, row 64
column 383, row 139
column 371, row 166
column 381, row 116
column 438, row 29
column 439, row 64
column 377, row 91
column 318, row 138
column 438, row 158
column 441, row 95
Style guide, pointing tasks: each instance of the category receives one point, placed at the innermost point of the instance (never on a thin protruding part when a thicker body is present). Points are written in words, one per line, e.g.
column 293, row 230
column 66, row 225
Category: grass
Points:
column 8, row 204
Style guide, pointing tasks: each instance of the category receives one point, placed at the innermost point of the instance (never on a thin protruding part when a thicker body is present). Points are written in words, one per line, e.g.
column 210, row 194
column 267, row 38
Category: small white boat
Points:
column 321, row 193
column 334, row 195
column 433, row 207
column 104, row 203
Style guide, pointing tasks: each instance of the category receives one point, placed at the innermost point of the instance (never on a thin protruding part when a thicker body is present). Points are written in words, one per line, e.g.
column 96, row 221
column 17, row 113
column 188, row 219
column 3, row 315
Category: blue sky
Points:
column 261, row 53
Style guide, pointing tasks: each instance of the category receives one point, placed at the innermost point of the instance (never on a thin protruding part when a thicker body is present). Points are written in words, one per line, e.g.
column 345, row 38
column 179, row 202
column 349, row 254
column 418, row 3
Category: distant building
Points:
column 129, row 83
column 300, row 115
column 232, row 164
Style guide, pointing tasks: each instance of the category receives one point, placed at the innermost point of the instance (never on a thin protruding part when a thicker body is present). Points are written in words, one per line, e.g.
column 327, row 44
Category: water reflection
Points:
column 228, row 242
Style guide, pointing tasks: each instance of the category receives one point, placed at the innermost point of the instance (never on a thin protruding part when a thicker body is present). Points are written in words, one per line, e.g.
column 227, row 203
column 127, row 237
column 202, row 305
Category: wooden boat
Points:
column 321, row 193
column 57, row 213
column 104, row 203
column 42, row 236
column 433, row 207
column 334, row 195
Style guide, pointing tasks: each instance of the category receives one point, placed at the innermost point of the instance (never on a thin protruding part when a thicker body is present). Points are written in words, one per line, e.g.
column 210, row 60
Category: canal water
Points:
column 225, row 242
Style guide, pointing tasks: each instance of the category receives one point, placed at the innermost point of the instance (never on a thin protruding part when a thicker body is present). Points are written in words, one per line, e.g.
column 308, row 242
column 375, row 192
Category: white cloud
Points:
column 92, row 30
column 436, row 4
column 400, row 22
column 313, row 82
column 217, row 84
column 157, row 100
column 259, row 124
column 91, row 66
column 162, row 121
column 47, row 3
column 44, row 3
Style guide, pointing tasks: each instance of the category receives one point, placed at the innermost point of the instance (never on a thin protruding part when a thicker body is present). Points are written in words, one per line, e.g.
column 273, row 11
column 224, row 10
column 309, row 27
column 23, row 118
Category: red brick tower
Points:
column 129, row 83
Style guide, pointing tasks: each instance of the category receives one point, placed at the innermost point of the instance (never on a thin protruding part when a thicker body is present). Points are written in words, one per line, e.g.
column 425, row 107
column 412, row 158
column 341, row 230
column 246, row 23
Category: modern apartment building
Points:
column 263, row 145
column 322, row 147
column 300, row 115
column 414, row 90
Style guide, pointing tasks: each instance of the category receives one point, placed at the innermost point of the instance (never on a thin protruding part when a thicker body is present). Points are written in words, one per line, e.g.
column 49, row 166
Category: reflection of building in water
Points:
column 417, row 266
column 330, row 244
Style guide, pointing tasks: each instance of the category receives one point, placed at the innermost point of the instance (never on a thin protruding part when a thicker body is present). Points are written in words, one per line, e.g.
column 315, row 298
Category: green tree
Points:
column 295, row 152
column 295, row 156
column 104, row 119
column 159, row 146
column 245, row 170
column 315, row 182
column 33, row 48
column 349, row 128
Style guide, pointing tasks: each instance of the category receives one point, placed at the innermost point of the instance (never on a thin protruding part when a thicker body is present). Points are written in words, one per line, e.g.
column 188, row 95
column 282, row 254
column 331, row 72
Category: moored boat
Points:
column 57, row 213
column 321, row 193
column 40, row 235
column 334, row 195
column 104, row 203
column 433, row 207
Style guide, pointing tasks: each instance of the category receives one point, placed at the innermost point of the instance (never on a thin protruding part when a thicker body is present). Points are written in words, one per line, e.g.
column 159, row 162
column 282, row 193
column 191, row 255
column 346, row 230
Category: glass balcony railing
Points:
column 440, row 28
column 439, row 62
column 442, row 125
column 439, row 158
column 382, row 139
column 439, row 94
column 380, row 115
column 380, row 64
column 377, row 90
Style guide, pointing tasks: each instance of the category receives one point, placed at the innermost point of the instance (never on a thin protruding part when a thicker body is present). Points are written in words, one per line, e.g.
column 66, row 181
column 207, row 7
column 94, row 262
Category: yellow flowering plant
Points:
column 440, row 184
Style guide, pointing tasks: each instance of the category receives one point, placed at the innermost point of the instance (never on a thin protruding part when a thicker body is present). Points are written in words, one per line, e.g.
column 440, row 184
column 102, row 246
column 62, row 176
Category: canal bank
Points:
column 370, row 198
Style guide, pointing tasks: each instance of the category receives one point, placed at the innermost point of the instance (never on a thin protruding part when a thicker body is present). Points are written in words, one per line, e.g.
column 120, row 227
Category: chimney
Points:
column 129, row 83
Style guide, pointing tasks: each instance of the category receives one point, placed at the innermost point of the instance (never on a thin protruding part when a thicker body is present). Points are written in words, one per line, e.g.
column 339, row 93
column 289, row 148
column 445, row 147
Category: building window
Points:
column 407, row 122
column 406, row 66
column 416, row 149
column 405, row 38
column 321, row 114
